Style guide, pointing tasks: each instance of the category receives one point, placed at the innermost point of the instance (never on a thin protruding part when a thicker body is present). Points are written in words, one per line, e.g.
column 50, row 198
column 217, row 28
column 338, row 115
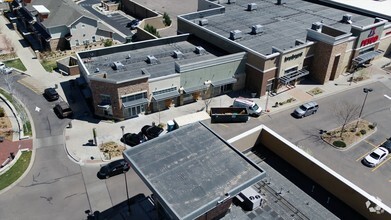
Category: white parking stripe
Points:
column 388, row 97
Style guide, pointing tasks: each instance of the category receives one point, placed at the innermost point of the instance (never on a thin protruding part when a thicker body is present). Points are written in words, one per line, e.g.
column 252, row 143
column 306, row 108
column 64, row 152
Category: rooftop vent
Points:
column 199, row 50
column 118, row 66
column 378, row 20
column 151, row 59
column 128, row 56
column 317, row 26
column 231, row 1
column 235, row 34
column 178, row 54
column 347, row 18
column 256, row 29
column 203, row 22
column 251, row 7
column 97, row 70
column 281, row 2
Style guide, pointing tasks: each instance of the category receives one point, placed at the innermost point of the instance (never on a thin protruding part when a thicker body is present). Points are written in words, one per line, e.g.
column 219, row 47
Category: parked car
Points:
column 114, row 168
column 306, row 109
column 151, row 132
column 133, row 24
column 63, row 110
column 4, row 69
column 387, row 145
column 133, row 139
column 376, row 157
column 51, row 94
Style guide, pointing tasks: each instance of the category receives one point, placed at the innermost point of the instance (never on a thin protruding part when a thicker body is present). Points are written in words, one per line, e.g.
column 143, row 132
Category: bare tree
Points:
column 345, row 112
column 207, row 99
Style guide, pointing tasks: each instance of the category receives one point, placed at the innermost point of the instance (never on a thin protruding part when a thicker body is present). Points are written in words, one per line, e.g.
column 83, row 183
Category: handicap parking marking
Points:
column 374, row 147
column 381, row 164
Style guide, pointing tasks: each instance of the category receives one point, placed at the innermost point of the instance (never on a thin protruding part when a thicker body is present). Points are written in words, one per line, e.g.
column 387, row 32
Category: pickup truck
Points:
column 228, row 115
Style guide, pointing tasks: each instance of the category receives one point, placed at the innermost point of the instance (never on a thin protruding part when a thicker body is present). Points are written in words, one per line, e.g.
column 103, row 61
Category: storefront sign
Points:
column 293, row 57
column 372, row 38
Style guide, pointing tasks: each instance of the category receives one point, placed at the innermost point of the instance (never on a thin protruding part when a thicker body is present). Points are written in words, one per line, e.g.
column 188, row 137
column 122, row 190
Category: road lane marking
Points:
column 381, row 163
column 388, row 97
column 374, row 147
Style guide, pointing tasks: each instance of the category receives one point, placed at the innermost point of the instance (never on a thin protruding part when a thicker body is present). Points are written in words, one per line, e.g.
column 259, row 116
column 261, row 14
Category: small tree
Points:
column 151, row 29
column 108, row 42
column 345, row 112
column 166, row 19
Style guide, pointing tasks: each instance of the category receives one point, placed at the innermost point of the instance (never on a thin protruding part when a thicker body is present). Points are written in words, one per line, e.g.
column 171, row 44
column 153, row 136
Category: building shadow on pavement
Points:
column 140, row 207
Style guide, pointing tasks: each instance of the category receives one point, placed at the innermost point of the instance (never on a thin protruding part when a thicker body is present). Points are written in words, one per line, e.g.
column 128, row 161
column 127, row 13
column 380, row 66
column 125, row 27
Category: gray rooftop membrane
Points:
column 191, row 169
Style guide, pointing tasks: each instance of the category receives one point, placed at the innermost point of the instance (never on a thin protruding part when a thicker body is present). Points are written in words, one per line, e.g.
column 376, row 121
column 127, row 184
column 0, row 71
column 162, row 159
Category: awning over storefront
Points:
column 165, row 96
column 135, row 103
column 104, row 106
column 224, row 82
column 366, row 56
column 195, row 89
column 42, row 31
column 293, row 75
column 26, row 14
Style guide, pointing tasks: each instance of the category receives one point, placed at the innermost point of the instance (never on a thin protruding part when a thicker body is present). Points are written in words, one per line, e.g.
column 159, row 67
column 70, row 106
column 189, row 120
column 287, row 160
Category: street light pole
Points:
column 127, row 192
column 267, row 100
column 366, row 91
column 123, row 132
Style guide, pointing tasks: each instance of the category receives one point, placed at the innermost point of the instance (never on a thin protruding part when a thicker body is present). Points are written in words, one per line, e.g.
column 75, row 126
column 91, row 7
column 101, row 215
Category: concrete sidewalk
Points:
column 81, row 131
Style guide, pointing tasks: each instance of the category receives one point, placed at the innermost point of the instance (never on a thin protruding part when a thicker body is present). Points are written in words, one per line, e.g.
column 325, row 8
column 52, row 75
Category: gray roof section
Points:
column 282, row 24
column 134, row 58
column 62, row 12
column 191, row 169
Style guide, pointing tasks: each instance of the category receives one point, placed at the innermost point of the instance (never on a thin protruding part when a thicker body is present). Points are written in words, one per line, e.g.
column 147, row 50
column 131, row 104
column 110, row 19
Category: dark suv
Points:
column 113, row 168
column 151, row 132
column 51, row 94
column 387, row 145
column 133, row 139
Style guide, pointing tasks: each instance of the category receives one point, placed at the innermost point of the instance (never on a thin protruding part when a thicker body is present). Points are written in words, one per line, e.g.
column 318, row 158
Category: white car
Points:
column 376, row 157
column 4, row 69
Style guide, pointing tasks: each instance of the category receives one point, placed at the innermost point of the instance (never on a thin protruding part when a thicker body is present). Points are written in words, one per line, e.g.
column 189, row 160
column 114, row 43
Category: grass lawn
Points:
column 49, row 65
column 16, row 64
column 16, row 170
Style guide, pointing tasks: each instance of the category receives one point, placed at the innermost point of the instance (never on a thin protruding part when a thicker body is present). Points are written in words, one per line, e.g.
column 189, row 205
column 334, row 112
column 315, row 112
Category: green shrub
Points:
column 167, row 20
column 108, row 42
column 358, row 134
column 151, row 29
column 363, row 132
column 340, row 144
column 1, row 112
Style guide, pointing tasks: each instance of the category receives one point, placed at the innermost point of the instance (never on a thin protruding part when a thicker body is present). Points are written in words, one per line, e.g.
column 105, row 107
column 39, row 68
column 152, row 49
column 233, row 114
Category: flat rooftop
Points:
column 191, row 170
column 380, row 8
column 133, row 58
column 282, row 24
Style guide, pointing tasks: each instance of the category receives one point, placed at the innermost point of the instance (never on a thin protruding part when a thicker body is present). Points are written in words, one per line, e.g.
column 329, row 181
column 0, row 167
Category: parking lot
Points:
column 305, row 133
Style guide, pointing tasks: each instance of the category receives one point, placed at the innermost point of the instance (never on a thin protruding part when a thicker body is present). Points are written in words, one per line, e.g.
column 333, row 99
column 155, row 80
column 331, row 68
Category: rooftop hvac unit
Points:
column 250, row 199
column 231, row 1
column 280, row 2
column 317, row 26
column 118, row 66
column 235, row 34
column 199, row 50
column 251, row 7
column 347, row 18
column 178, row 54
column 151, row 59
column 256, row 29
column 203, row 22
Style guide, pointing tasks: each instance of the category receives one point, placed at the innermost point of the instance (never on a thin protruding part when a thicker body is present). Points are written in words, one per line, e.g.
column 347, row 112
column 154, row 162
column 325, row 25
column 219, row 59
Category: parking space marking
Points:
column 381, row 164
column 224, row 125
column 374, row 147
column 388, row 97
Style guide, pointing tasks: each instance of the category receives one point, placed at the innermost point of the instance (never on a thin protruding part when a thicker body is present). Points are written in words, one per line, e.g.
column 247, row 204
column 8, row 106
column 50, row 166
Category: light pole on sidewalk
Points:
column 123, row 132
column 127, row 191
column 366, row 91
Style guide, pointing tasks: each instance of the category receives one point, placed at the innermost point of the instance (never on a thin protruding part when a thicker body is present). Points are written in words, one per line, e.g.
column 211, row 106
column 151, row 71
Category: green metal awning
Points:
column 135, row 103
column 165, row 96
column 360, row 59
column 224, row 82
column 292, row 76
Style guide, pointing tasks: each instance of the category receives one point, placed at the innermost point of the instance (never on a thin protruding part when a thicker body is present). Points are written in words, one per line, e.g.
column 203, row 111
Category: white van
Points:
column 252, row 108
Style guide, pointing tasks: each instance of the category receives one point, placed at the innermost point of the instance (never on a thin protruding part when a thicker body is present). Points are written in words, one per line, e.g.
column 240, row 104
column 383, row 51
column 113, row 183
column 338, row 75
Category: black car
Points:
column 151, row 132
column 63, row 110
column 387, row 145
column 51, row 94
column 133, row 139
column 114, row 168
column 133, row 24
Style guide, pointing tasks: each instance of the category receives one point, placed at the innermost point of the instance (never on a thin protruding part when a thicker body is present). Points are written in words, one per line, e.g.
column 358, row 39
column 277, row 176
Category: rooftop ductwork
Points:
column 317, row 26
column 256, row 29
column 178, row 54
column 151, row 59
column 251, row 6
column 347, row 18
column 200, row 50
column 235, row 34
column 203, row 22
